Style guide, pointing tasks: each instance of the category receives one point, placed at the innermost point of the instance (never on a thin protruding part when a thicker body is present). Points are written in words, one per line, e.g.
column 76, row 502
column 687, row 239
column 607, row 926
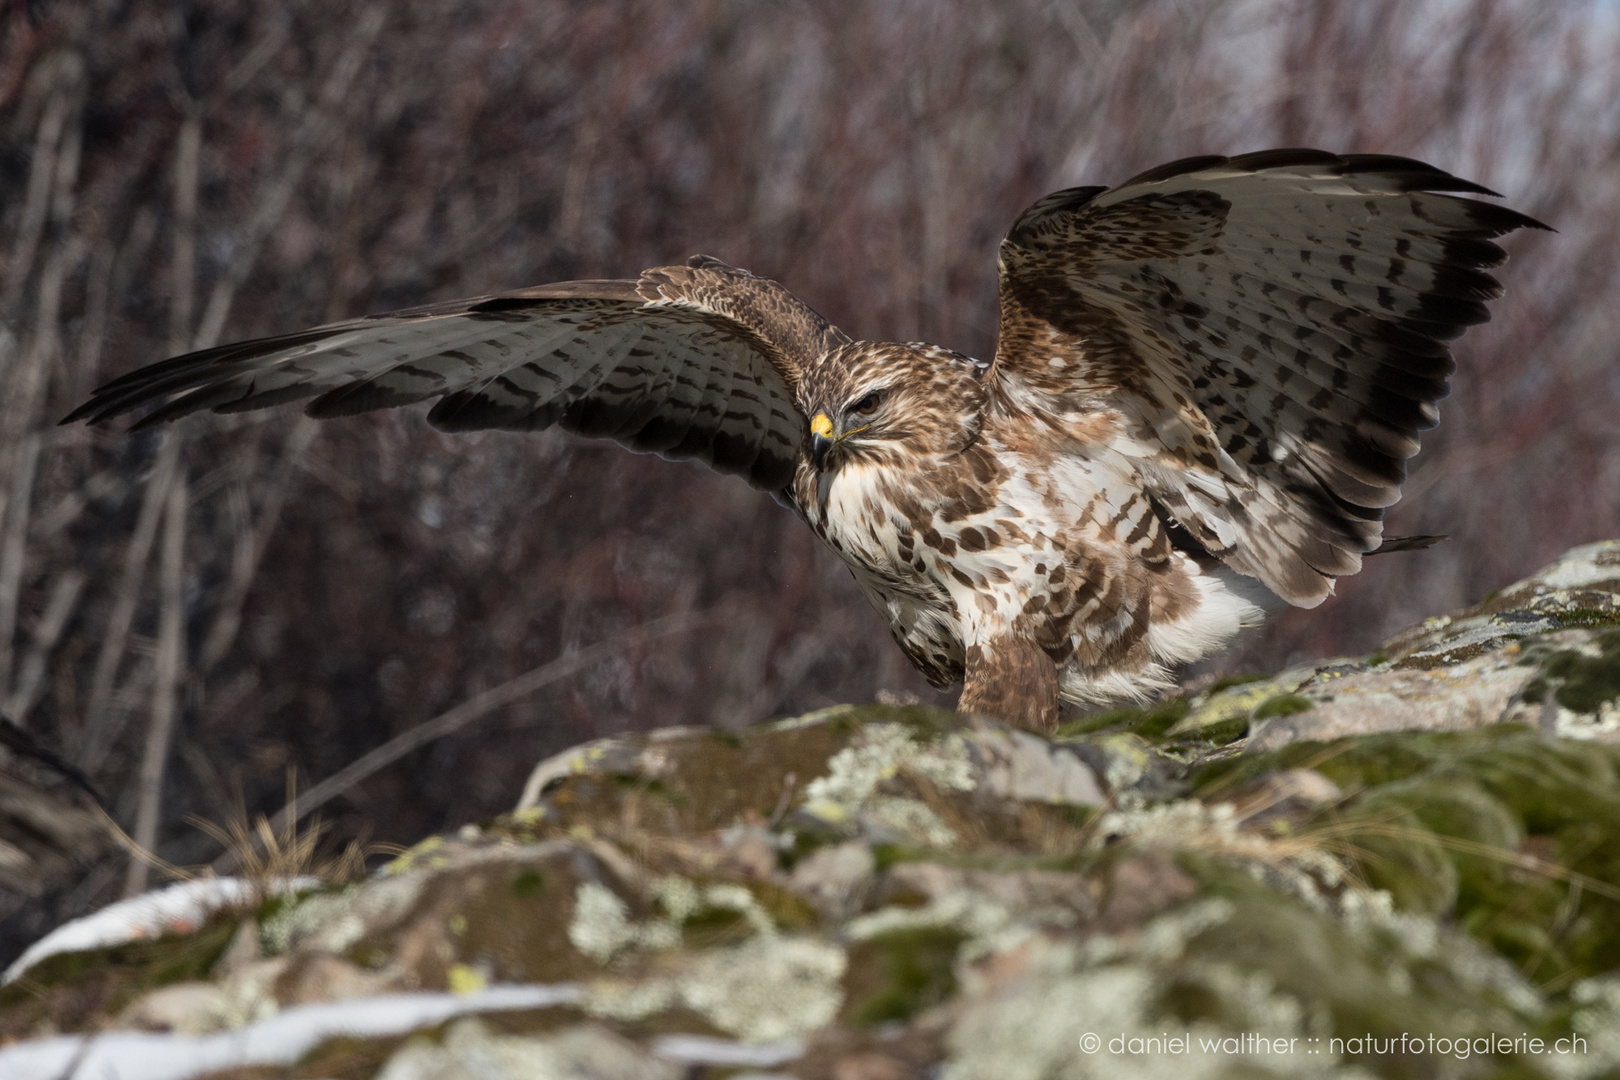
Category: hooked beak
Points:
column 821, row 440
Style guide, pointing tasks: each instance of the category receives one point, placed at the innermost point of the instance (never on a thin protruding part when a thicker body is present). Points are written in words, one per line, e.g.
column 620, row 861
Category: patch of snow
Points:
column 706, row 1050
column 280, row 1040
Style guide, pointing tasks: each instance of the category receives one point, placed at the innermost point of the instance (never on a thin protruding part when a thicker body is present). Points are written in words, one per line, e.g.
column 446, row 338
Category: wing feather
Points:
column 695, row 361
column 1271, row 328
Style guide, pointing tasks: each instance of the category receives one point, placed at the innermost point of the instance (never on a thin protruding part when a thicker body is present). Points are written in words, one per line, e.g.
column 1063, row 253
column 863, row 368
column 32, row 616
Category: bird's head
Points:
column 890, row 403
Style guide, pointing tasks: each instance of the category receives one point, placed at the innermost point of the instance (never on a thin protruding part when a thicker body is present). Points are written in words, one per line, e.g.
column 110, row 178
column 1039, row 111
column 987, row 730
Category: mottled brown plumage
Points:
column 1207, row 385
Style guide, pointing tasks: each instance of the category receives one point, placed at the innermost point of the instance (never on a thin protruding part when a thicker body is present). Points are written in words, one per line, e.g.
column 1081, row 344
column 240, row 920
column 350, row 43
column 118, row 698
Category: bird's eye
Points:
column 867, row 405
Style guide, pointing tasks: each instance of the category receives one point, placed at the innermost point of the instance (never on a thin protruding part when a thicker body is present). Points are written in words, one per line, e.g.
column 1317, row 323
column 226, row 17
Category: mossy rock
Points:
column 1224, row 713
column 80, row 991
column 896, row 975
column 695, row 781
column 1398, row 835
column 1578, row 680
column 1510, row 833
column 1365, row 977
column 1149, row 723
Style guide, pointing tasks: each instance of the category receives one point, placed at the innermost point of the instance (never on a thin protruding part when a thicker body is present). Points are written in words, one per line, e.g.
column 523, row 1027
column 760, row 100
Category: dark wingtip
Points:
column 1525, row 221
column 1284, row 157
column 1176, row 168
column 81, row 413
column 95, row 412
column 1406, row 543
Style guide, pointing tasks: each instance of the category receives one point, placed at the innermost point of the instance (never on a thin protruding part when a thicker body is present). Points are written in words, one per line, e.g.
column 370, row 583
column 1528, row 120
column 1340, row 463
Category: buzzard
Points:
column 1207, row 385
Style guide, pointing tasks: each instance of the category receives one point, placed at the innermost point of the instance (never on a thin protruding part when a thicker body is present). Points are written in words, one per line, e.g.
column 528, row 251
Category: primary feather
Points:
column 1207, row 386
column 1271, row 327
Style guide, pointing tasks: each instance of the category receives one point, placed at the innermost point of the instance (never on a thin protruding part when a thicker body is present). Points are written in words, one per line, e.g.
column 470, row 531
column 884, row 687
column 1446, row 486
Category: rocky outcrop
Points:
column 1406, row 864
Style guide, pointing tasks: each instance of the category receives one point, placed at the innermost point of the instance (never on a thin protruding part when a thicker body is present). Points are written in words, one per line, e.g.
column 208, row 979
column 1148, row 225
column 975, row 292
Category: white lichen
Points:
column 472, row 1049
column 1294, row 864
column 602, row 926
column 894, row 818
column 1109, row 989
column 767, row 988
column 882, row 752
column 764, row 989
column 1573, row 725
column 975, row 915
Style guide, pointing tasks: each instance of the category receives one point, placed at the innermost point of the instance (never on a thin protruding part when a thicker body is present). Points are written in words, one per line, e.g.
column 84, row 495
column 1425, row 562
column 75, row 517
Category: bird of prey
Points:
column 1207, row 384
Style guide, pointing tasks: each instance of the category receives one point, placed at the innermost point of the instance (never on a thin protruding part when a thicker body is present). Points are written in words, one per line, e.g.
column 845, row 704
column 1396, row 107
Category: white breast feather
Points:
column 868, row 532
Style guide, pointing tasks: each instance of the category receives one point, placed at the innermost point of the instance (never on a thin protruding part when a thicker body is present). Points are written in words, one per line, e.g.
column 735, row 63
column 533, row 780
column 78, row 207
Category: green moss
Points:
column 79, row 989
column 1108, row 718
column 370, row 955
column 1283, row 705
column 1229, row 681
column 1588, row 617
column 897, row 975
column 885, row 856
column 715, row 927
column 1226, row 731
column 1398, row 834
column 1150, row 723
column 276, row 903
column 925, row 721
column 1431, row 660
column 1585, row 682
column 515, row 917
column 1161, row 719
column 1351, row 763
column 788, row 910
column 644, row 785
column 1352, row 982
column 1446, row 820
column 527, row 881
column 145, row 964
column 708, row 780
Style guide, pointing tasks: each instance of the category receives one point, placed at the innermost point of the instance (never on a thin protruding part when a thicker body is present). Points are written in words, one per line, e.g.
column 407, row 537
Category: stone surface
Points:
column 1284, row 873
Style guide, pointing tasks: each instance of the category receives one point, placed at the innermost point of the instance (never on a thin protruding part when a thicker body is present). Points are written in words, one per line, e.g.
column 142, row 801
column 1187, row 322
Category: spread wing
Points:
column 695, row 361
column 1270, row 332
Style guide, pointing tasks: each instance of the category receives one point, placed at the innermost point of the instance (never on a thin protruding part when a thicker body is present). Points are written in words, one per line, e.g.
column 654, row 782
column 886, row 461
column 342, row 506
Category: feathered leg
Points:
column 1013, row 680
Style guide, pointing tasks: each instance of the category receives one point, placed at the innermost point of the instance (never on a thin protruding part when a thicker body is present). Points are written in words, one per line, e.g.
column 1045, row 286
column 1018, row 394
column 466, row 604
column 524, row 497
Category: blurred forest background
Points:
column 189, row 614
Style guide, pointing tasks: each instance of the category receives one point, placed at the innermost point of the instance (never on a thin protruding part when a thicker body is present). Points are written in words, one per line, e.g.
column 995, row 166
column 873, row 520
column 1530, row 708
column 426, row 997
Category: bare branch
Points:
column 98, row 732
column 273, row 199
column 166, row 684
column 250, row 546
column 36, row 206
column 183, row 268
column 65, row 592
column 13, row 546
column 476, row 708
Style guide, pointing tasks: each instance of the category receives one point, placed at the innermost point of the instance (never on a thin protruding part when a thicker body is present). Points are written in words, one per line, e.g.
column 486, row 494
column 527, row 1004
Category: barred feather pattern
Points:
column 1207, row 386
column 647, row 363
column 1271, row 329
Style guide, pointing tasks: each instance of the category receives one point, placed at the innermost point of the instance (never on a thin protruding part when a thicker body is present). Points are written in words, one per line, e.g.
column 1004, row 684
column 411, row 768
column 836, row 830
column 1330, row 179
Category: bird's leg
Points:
column 1012, row 679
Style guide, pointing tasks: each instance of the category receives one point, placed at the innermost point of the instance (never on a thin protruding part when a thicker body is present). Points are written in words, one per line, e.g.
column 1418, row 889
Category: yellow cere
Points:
column 821, row 426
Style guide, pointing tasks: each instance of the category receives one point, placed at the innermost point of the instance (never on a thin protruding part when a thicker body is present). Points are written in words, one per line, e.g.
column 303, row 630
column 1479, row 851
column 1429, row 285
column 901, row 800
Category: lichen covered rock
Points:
column 1403, row 865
